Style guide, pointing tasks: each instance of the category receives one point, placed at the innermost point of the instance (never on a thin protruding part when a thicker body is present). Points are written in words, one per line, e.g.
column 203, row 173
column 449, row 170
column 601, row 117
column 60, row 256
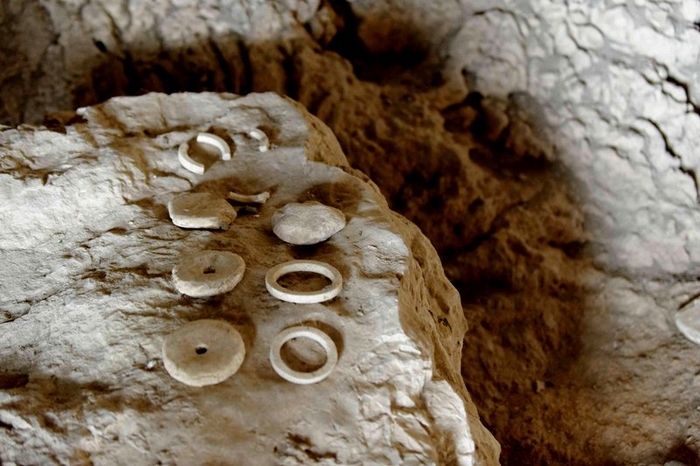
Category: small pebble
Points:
column 307, row 223
column 201, row 210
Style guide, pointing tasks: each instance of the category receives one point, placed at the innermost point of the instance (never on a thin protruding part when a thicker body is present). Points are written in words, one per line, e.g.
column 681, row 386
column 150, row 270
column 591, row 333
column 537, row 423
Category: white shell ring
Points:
column 303, row 378
column 304, row 297
column 262, row 138
column 204, row 138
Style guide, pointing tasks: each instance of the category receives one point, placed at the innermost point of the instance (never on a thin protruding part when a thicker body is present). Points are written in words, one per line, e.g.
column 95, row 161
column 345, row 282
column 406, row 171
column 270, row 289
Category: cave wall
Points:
column 620, row 85
column 545, row 148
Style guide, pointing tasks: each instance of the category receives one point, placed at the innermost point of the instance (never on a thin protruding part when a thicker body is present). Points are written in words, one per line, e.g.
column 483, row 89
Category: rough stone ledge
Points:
column 87, row 300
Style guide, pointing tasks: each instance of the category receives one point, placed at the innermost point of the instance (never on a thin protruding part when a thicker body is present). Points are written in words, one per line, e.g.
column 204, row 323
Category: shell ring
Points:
column 303, row 378
column 304, row 297
column 202, row 138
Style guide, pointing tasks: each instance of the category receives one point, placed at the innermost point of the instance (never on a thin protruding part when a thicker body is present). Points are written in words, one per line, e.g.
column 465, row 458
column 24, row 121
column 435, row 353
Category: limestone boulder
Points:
column 88, row 248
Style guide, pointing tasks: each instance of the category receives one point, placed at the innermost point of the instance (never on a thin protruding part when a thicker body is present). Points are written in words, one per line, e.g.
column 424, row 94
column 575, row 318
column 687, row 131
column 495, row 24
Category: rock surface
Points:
column 547, row 149
column 307, row 223
column 88, row 302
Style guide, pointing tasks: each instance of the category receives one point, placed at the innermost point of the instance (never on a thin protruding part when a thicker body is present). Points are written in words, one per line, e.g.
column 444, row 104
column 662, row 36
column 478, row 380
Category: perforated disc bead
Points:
column 208, row 273
column 203, row 352
column 688, row 321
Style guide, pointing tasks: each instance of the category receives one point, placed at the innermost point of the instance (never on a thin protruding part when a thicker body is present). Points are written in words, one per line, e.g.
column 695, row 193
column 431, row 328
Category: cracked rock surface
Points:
column 547, row 149
column 85, row 316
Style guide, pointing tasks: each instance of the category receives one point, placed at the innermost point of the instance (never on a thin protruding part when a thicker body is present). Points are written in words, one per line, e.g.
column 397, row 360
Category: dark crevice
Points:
column 682, row 453
column 100, row 45
column 382, row 67
column 247, row 85
column 291, row 86
column 133, row 82
column 671, row 151
column 229, row 82
column 9, row 381
column 686, row 89
column 304, row 444
column 346, row 42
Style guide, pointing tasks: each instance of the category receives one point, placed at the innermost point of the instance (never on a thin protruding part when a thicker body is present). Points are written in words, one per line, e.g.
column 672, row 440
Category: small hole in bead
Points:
column 209, row 270
column 200, row 349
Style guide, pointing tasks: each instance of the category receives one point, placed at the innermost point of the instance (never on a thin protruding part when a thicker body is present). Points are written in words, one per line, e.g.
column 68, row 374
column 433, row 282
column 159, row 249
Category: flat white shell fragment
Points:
column 307, row 223
column 259, row 198
column 203, row 352
column 208, row 273
column 688, row 321
column 201, row 210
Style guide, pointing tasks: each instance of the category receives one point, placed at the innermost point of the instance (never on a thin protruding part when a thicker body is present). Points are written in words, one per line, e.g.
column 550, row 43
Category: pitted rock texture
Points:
column 501, row 128
column 88, row 301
